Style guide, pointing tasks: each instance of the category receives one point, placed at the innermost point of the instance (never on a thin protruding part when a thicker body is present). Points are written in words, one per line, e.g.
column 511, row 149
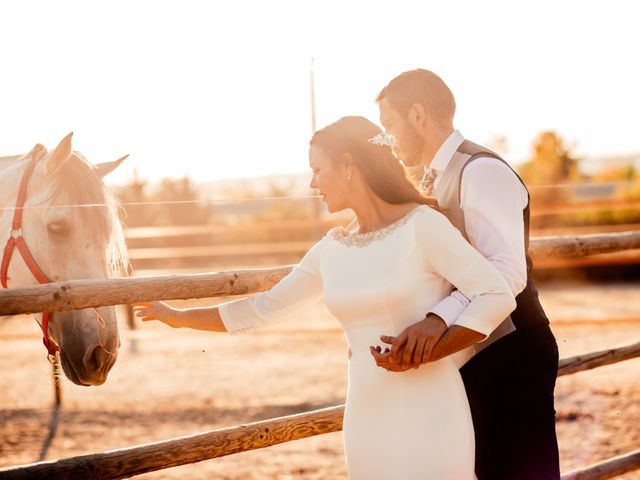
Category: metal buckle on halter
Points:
column 15, row 234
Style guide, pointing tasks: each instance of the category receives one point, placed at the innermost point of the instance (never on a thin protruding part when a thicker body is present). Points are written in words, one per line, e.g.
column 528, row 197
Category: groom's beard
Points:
column 413, row 146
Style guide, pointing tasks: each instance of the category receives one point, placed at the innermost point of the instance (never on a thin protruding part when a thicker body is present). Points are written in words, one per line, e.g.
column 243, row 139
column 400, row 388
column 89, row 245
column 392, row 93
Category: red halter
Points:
column 16, row 240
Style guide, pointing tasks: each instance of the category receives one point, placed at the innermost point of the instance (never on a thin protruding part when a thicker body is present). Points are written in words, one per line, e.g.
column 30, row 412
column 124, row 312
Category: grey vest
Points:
column 528, row 311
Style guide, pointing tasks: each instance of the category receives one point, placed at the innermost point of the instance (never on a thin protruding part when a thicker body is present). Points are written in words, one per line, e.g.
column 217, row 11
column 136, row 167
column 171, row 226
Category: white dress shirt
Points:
column 492, row 199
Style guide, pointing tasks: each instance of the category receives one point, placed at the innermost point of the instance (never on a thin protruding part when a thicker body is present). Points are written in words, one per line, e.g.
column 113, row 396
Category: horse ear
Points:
column 103, row 169
column 60, row 155
column 38, row 151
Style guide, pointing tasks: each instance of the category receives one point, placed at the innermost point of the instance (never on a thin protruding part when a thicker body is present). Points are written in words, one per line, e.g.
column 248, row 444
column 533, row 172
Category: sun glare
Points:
column 217, row 92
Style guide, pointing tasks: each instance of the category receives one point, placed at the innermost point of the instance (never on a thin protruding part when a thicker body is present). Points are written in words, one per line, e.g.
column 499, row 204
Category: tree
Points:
column 133, row 197
column 171, row 202
column 552, row 162
column 194, row 211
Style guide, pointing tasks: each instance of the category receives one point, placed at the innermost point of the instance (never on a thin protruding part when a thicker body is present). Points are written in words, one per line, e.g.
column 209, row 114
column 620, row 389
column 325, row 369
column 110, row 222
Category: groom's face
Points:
column 409, row 148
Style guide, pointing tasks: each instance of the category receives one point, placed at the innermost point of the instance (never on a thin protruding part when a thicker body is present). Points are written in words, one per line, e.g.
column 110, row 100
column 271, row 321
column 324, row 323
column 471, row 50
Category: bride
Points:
column 377, row 276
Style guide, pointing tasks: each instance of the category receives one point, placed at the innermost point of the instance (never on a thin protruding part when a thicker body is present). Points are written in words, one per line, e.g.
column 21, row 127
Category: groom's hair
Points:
column 423, row 87
column 382, row 171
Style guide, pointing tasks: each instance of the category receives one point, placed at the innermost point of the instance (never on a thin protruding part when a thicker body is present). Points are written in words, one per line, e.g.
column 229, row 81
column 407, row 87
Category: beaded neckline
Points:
column 340, row 235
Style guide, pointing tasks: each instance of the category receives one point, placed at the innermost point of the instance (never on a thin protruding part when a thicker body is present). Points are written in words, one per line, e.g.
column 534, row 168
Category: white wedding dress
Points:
column 409, row 425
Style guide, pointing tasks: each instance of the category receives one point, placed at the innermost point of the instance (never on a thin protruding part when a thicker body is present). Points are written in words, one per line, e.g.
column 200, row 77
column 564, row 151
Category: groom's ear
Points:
column 417, row 115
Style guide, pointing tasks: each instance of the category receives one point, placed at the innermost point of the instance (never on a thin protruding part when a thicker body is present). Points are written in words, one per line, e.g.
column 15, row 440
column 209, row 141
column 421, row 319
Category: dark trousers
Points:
column 510, row 388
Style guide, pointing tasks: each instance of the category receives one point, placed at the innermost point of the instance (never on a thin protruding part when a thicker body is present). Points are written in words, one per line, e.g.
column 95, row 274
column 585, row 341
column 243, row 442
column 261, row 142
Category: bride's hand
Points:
column 382, row 359
column 160, row 311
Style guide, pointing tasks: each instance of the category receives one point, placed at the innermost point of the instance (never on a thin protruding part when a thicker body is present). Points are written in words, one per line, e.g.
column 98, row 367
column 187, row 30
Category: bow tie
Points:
column 425, row 186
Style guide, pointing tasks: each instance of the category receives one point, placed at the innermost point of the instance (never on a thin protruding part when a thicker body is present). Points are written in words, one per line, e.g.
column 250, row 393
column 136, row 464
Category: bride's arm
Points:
column 204, row 318
column 448, row 254
column 302, row 287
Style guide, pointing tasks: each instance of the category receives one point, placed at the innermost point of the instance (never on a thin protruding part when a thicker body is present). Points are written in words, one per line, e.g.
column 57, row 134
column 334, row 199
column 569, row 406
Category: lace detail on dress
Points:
column 340, row 235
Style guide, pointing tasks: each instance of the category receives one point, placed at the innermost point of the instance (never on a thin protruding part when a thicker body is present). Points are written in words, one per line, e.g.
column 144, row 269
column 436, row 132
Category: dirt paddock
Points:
column 168, row 383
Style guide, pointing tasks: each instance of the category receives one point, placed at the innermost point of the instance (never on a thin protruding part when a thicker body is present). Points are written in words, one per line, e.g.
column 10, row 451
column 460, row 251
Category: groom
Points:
column 511, row 377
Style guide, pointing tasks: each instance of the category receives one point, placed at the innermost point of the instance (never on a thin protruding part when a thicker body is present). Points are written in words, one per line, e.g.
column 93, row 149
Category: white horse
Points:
column 70, row 228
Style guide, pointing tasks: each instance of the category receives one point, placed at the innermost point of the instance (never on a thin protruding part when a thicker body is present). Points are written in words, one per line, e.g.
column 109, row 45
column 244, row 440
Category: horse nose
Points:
column 98, row 360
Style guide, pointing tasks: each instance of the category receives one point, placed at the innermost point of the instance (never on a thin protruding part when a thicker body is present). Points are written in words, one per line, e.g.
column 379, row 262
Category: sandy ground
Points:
column 169, row 383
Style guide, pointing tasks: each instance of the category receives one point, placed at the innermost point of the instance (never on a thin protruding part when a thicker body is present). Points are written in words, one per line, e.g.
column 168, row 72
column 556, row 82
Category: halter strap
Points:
column 16, row 240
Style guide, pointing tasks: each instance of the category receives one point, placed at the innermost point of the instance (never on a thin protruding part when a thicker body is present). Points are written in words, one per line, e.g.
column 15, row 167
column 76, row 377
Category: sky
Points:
column 217, row 90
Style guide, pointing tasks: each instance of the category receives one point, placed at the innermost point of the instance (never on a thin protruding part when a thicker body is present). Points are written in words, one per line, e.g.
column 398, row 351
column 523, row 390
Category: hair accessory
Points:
column 384, row 139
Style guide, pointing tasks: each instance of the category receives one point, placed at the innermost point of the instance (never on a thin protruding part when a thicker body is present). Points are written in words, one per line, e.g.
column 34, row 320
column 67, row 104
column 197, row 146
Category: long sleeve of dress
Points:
column 298, row 290
column 447, row 253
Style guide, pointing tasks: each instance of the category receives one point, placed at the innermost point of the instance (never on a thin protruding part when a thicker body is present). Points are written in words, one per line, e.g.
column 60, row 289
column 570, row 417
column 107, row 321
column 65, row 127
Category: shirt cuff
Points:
column 448, row 310
column 236, row 316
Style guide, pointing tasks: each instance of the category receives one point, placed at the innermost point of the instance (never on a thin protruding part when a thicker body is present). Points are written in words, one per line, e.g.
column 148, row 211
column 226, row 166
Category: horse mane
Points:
column 95, row 208
column 9, row 161
column 76, row 183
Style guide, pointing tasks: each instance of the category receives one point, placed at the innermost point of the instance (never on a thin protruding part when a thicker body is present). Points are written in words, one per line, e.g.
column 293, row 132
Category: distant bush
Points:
column 152, row 206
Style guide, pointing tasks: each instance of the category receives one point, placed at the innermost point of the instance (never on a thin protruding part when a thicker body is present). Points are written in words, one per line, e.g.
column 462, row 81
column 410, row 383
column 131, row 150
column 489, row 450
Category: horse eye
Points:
column 58, row 228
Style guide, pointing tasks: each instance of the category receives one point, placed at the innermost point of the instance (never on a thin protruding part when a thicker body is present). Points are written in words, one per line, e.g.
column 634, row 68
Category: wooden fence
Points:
column 77, row 294
column 159, row 257
column 241, row 234
column 126, row 462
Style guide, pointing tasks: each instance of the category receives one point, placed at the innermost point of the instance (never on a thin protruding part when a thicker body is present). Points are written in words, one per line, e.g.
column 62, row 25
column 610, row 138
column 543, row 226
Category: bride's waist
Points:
column 361, row 337
column 366, row 377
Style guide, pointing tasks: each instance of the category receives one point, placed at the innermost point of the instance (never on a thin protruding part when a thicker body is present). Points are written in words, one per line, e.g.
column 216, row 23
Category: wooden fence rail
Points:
column 152, row 255
column 581, row 207
column 322, row 225
column 611, row 468
column 587, row 361
column 541, row 248
column 215, row 229
column 579, row 246
column 126, row 462
column 77, row 294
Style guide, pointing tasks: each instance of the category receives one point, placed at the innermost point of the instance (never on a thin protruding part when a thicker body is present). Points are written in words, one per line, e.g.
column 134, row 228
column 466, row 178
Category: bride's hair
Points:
column 382, row 171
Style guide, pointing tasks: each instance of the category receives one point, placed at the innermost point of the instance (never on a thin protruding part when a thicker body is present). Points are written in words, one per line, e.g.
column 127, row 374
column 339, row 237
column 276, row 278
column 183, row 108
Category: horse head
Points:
column 71, row 227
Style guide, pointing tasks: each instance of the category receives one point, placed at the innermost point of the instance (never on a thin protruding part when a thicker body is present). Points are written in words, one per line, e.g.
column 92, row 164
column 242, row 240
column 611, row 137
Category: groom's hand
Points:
column 415, row 343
